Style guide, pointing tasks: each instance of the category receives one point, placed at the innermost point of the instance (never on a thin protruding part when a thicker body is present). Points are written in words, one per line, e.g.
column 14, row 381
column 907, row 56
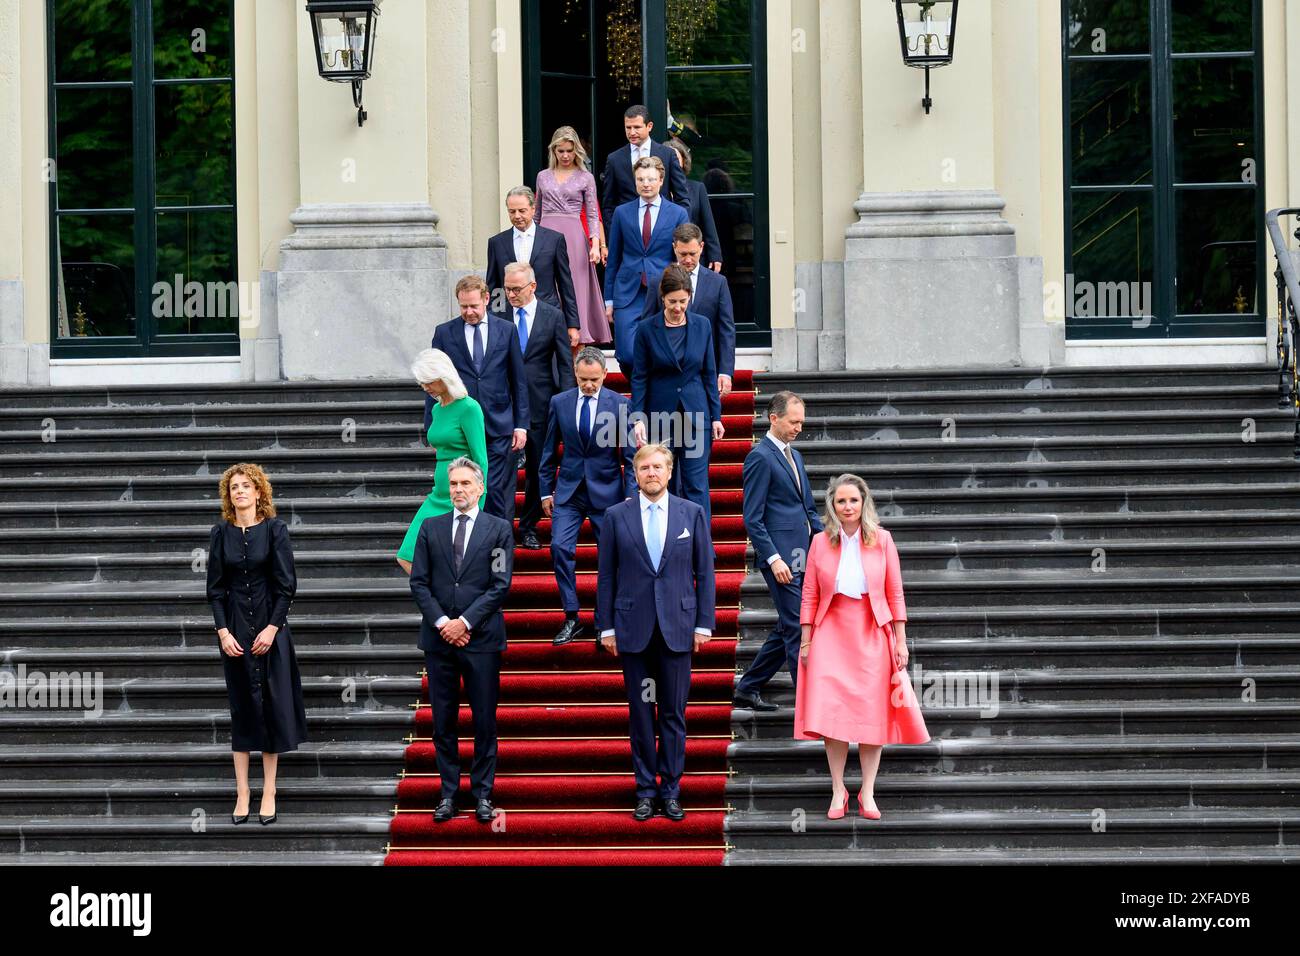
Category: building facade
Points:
column 184, row 199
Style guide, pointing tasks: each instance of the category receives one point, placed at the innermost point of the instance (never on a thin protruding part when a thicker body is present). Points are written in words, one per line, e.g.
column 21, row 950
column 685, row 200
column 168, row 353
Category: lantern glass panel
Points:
column 343, row 48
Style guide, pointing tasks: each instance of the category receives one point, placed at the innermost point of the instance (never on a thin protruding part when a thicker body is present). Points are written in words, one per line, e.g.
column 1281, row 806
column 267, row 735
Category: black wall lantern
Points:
column 344, row 32
column 927, row 30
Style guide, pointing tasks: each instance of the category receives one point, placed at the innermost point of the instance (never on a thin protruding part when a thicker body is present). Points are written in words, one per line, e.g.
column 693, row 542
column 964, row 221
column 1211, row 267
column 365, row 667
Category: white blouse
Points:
column 850, row 578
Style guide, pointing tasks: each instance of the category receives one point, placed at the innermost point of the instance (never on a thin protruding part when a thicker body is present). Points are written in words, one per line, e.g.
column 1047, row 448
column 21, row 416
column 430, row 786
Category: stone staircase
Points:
column 1117, row 548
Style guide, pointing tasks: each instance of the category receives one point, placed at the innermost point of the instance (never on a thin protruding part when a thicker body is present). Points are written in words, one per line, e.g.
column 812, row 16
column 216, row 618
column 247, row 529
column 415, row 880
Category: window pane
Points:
column 565, row 36
column 1094, row 27
column 96, row 276
column 566, row 102
column 194, row 128
column 1216, row 234
column 92, row 41
column 1110, row 125
column 708, row 33
column 1214, row 119
column 716, row 111
column 1113, row 255
column 93, row 130
column 191, row 38
column 197, row 247
column 734, row 218
column 1202, row 26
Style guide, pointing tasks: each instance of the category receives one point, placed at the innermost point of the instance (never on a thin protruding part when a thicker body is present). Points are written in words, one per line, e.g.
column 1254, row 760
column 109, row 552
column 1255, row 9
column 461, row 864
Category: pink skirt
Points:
column 594, row 327
column 848, row 688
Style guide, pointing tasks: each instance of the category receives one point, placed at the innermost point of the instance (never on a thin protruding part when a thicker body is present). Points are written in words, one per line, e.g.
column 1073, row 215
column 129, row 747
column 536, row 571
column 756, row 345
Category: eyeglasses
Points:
column 517, row 288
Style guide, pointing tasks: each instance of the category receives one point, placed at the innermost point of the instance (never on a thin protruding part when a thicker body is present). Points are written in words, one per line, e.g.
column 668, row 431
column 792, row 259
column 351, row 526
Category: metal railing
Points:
column 1288, row 327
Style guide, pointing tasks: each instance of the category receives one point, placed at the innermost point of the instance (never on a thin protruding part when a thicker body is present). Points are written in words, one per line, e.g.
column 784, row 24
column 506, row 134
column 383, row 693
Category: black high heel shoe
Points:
column 238, row 820
column 266, row 821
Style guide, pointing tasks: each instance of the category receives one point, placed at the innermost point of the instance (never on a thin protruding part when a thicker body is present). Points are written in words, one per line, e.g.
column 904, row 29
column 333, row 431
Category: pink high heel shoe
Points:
column 863, row 811
column 834, row 814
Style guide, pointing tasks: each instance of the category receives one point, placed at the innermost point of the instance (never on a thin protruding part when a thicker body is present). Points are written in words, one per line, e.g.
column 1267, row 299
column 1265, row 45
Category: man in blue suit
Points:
column 710, row 297
column 655, row 603
column 640, row 248
column 486, row 353
column 618, row 183
column 543, row 249
column 595, row 471
column 780, row 520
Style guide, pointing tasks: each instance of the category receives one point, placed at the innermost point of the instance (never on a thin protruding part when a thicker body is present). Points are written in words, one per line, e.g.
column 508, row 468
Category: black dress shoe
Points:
column 445, row 812
column 673, row 810
column 567, row 633
column 483, row 811
column 645, row 809
column 531, row 541
column 755, row 702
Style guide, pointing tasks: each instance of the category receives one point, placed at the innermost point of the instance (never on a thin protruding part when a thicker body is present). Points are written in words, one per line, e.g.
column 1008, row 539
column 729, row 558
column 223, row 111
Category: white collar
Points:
column 530, row 308
column 595, row 399
column 472, row 514
column 646, row 502
column 780, row 445
column 650, row 202
column 531, row 231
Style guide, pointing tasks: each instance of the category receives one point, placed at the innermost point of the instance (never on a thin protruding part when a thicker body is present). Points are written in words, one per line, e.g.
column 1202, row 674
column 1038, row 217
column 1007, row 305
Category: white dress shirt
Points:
column 469, row 336
column 660, row 518
column 695, row 273
column 850, row 578
column 780, row 447
column 469, row 530
column 577, row 413
column 640, row 152
column 524, row 243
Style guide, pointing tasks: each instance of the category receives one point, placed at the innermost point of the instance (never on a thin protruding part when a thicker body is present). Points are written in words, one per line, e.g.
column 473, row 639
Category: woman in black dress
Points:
column 251, row 584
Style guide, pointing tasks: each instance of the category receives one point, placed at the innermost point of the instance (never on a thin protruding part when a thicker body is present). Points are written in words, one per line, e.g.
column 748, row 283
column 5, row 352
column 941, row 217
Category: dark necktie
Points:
column 458, row 543
column 478, row 347
column 645, row 239
column 584, row 420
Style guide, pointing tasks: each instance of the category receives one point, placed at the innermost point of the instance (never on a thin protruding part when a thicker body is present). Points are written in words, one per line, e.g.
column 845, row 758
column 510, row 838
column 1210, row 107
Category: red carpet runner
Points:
column 564, row 767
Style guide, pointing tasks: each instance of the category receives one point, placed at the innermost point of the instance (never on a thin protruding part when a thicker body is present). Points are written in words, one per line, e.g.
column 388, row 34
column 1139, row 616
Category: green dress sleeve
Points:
column 471, row 425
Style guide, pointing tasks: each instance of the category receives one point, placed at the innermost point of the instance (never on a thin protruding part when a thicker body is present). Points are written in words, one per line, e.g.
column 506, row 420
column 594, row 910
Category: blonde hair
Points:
column 831, row 521
column 645, row 451
column 650, row 162
column 566, row 134
column 435, row 365
column 255, row 474
column 470, row 282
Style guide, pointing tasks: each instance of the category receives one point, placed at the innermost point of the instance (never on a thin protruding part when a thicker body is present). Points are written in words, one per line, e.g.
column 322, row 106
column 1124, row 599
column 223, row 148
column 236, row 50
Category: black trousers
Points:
column 532, row 512
column 657, row 681
column 782, row 644
column 502, row 478
column 482, row 675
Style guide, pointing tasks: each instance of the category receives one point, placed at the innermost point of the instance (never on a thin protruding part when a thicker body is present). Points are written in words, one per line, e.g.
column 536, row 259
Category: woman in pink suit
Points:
column 563, row 189
column 852, row 682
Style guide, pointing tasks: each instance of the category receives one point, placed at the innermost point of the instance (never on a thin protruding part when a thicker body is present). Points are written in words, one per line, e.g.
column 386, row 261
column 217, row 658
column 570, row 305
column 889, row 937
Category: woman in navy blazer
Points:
column 675, row 397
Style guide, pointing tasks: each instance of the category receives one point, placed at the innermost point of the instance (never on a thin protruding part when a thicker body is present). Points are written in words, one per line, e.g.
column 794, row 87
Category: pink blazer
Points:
column 884, row 579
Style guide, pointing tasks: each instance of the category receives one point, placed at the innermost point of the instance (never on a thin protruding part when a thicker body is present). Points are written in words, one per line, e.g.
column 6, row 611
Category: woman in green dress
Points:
column 456, row 429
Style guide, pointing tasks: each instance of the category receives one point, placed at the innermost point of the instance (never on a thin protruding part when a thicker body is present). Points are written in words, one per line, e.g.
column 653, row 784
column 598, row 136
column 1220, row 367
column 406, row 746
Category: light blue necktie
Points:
column 652, row 542
column 523, row 329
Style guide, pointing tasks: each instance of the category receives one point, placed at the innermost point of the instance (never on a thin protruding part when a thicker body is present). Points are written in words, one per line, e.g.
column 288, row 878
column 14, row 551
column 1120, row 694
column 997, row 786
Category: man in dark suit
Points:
column 485, row 351
column 460, row 578
column 655, row 603
column 543, row 249
column 780, row 519
column 618, row 183
column 640, row 247
column 710, row 297
column 595, row 471
column 548, row 368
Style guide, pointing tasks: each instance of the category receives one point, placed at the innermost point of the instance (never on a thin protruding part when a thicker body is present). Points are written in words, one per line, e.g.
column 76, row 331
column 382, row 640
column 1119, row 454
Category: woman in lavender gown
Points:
column 563, row 190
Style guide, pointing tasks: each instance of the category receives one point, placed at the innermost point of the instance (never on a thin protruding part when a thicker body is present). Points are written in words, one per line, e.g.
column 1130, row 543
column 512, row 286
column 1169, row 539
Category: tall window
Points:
column 1164, row 168
column 142, row 184
column 698, row 62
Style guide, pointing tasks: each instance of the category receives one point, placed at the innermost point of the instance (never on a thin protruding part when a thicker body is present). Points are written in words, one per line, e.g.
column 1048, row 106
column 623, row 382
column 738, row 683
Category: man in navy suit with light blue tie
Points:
column 485, row 350
column 640, row 248
column 595, row 471
column 655, row 604
column 780, row 519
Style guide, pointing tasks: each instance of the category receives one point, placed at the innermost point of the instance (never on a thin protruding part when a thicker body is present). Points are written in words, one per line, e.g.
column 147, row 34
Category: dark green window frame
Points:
column 1165, row 189
column 148, row 341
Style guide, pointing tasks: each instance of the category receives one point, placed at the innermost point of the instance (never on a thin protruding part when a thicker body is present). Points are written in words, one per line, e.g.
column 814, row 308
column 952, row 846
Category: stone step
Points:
column 1026, row 379
column 111, row 798
column 173, row 833
column 1263, row 827
column 1050, row 856
column 84, row 489
column 1011, row 790
column 1131, row 751
column 1007, row 653
column 297, row 858
column 194, row 726
column 1007, row 721
column 122, row 664
column 149, row 760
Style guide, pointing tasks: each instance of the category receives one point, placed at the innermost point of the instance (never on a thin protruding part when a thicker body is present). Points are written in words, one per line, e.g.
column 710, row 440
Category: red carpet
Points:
column 564, row 765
